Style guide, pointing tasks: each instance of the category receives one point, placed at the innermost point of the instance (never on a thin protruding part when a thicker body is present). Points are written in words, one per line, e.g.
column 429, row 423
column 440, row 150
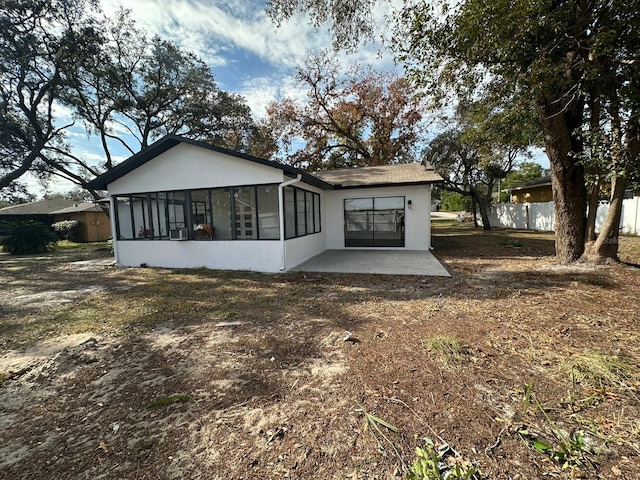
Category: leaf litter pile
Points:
column 515, row 367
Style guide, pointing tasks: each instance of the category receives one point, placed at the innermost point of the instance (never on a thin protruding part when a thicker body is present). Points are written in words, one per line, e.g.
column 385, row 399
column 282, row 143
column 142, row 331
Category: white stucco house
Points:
column 181, row 203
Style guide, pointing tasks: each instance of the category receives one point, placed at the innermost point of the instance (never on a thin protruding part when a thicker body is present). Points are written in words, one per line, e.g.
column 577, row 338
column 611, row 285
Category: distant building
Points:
column 535, row 191
column 93, row 220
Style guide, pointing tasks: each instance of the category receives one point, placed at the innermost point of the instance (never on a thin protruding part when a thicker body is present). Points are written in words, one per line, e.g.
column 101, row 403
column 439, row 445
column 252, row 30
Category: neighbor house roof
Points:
column 79, row 208
column 385, row 175
column 41, row 207
column 538, row 182
column 170, row 141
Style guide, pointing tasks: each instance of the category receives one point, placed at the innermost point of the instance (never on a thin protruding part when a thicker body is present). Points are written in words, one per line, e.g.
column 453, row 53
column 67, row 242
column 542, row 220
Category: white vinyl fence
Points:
column 540, row 216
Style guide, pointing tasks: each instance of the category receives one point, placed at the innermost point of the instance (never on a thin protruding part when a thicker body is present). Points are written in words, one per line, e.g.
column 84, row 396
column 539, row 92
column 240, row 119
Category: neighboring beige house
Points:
column 94, row 222
column 535, row 191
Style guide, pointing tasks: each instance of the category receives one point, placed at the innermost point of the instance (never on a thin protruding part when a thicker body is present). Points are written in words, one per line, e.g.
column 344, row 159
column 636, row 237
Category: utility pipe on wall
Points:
column 114, row 237
column 281, row 212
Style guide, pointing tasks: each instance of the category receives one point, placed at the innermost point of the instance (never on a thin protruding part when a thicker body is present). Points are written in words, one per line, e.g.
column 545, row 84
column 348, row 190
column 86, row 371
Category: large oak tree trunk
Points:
column 606, row 245
column 567, row 178
column 484, row 213
column 622, row 159
column 593, row 196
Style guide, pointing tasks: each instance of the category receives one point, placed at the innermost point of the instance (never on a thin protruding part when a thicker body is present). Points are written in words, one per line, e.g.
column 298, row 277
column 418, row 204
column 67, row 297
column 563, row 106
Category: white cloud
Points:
column 218, row 30
column 260, row 91
column 211, row 28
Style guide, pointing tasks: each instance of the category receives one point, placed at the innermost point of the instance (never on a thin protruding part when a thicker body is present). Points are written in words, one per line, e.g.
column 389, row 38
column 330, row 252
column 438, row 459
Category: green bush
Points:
column 27, row 236
column 455, row 202
column 68, row 230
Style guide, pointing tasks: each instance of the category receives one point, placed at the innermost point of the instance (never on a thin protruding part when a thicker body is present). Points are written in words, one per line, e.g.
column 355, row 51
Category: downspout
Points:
column 112, row 220
column 281, row 213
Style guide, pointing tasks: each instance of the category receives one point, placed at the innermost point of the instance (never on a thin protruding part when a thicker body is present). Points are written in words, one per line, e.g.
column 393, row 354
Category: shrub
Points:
column 455, row 202
column 68, row 230
column 27, row 236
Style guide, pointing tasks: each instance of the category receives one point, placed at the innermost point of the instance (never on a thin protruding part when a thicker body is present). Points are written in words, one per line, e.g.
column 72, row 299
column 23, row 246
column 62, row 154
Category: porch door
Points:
column 374, row 222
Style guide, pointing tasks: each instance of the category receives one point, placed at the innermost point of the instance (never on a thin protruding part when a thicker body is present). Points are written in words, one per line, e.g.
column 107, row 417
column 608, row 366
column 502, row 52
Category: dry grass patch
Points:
column 447, row 348
column 254, row 378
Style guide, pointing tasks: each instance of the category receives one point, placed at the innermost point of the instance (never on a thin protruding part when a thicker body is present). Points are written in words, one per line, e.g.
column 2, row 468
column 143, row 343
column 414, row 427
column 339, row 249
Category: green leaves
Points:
column 440, row 463
column 27, row 236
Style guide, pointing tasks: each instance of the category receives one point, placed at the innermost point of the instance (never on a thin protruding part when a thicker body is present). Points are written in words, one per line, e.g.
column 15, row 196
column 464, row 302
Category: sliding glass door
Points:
column 374, row 222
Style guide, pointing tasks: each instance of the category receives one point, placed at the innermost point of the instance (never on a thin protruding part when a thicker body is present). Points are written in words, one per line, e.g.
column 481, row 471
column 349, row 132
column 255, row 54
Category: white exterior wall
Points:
column 185, row 167
column 256, row 255
column 417, row 217
column 301, row 249
column 189, row 167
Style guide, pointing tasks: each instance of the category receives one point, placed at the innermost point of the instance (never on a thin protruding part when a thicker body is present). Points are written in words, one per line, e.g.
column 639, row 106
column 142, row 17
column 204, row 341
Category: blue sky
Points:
column 247, row 53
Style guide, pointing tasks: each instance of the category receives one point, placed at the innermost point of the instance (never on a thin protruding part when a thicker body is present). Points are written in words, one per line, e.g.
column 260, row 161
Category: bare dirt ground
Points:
column 526, row 368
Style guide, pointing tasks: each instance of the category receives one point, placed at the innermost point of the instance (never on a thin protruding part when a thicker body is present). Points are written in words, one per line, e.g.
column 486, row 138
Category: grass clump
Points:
column 162, row 402
column 597, row 371
column 448, row 348
column 440, row 463
column 566, row 450
column 378, row 426
column 512, row 243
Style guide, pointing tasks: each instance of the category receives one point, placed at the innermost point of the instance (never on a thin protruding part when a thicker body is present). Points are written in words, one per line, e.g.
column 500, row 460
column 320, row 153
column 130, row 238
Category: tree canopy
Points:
column 121, row 85
column 574, row 61
column 571, row 59
column 40, row 42
column 150, row 87
column 484, row 145
column 355, row 119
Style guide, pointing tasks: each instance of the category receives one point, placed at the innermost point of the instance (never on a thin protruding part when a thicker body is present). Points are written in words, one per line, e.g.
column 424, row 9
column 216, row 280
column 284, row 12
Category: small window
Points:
column 246, row 219
column 124, row 223
column 301, row 214
column 316, row 213
column 177, row 210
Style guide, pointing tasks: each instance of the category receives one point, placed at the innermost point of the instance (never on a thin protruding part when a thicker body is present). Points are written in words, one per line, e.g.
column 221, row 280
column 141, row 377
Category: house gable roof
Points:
column 384, row 175
column 170, row 141
column 379, row 176
column 41, row 207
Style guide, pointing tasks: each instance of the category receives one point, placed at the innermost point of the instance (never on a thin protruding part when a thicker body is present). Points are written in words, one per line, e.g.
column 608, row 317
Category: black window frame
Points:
column 315, row 200
column 169, row 198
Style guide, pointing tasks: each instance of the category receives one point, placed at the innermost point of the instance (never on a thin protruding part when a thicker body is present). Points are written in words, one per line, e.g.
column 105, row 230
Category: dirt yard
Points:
column 524, row 368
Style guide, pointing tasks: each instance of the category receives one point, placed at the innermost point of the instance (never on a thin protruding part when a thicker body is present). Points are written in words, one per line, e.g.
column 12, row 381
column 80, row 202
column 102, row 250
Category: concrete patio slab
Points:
column 383, row 262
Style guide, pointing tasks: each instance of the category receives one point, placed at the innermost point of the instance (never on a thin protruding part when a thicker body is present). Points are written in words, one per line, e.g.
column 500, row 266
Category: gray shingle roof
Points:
column 41, row 207
column 79, row 207
column 403, row 174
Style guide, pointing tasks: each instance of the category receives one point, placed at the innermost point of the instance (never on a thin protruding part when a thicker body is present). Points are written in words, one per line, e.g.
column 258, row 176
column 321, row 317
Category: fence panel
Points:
column 541, row 216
